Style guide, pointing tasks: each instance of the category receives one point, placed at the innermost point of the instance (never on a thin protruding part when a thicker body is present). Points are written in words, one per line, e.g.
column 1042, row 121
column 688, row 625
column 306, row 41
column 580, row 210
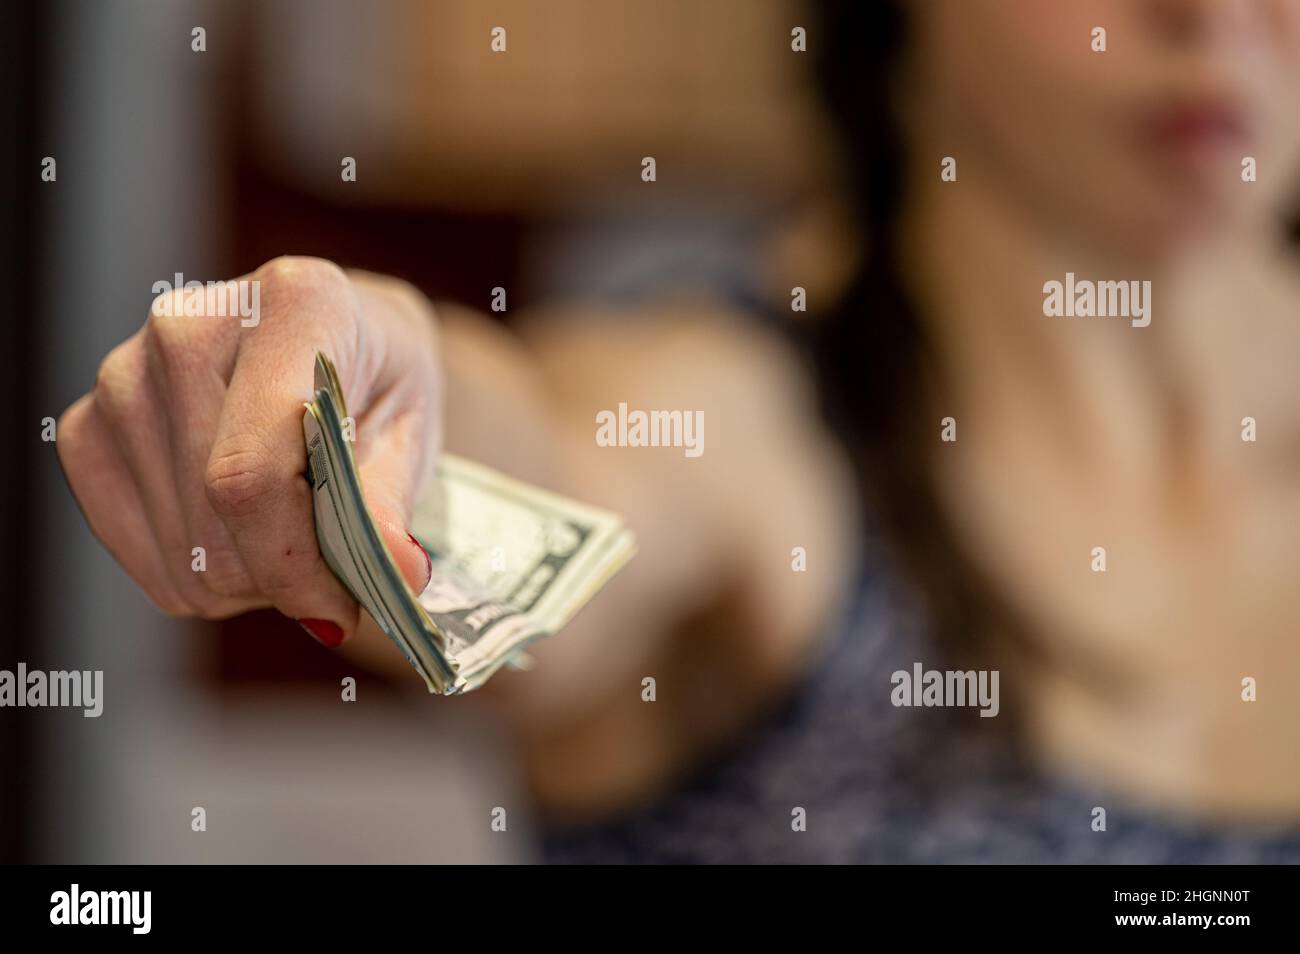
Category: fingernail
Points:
column 323, row 631
column 428, row 563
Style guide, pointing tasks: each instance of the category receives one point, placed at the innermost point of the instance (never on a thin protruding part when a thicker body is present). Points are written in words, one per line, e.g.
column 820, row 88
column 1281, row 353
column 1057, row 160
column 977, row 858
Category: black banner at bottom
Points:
column 374, row 903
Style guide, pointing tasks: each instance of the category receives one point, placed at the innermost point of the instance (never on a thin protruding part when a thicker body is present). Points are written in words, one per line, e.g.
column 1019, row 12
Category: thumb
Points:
column 387, row 487
column 409, row 554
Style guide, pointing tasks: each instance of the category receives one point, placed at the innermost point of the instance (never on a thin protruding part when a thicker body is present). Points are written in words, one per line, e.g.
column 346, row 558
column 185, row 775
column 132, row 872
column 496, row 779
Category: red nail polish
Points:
column 428, row 563
column 323, row 631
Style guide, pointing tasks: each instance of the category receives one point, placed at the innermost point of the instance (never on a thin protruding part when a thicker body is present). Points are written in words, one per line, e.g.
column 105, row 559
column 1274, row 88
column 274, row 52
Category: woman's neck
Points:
column 1079, row 433
column 1117, row 387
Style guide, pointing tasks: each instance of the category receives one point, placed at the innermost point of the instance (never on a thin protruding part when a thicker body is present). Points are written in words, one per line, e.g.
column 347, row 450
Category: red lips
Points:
column 1195, row 127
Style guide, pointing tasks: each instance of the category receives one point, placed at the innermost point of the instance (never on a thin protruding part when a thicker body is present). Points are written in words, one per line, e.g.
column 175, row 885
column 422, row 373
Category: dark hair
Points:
column 871, row 355
column 870, row 352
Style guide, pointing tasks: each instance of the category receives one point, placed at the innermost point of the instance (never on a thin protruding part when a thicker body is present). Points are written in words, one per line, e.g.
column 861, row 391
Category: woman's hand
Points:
column 192, row 437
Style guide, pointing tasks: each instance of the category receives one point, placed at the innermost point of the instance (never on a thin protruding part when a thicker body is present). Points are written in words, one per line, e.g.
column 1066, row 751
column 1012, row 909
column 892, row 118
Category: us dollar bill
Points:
column 512, row 563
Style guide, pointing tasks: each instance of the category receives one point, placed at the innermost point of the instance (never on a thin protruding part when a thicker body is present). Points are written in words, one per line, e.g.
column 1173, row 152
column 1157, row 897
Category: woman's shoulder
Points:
column 772, row 486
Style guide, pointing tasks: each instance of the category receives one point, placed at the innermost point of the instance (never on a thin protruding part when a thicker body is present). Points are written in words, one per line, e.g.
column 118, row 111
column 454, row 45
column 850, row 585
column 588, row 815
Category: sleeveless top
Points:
column 880, row 783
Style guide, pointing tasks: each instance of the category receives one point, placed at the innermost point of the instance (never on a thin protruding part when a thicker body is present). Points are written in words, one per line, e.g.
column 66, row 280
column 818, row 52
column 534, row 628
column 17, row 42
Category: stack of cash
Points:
column 511, row 562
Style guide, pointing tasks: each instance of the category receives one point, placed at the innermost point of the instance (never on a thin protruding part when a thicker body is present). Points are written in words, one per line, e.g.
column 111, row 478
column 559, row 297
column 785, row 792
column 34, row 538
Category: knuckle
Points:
column 298, row 275
column 180, row 344
column 70, row 431
column 239, row 482
column 118, row 380
column 293, row 284
column 168, row 304
column 114, row 368
column 406, row 305
column 167, row 330
column 169, row 342
column 409, row 299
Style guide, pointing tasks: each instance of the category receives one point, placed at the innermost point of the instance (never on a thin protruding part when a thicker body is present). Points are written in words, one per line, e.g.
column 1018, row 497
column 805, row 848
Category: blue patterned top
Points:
column 895, row 785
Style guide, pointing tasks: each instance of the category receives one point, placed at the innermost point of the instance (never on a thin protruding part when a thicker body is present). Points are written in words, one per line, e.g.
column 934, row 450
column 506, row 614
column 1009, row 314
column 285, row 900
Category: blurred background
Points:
column 472, row 172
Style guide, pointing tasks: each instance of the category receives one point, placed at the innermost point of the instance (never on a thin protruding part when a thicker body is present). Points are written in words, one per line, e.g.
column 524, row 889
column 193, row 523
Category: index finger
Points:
column 255, row 475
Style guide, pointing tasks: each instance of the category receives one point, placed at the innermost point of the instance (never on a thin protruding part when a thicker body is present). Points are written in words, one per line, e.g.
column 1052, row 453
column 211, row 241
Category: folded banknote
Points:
column 511, row 562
